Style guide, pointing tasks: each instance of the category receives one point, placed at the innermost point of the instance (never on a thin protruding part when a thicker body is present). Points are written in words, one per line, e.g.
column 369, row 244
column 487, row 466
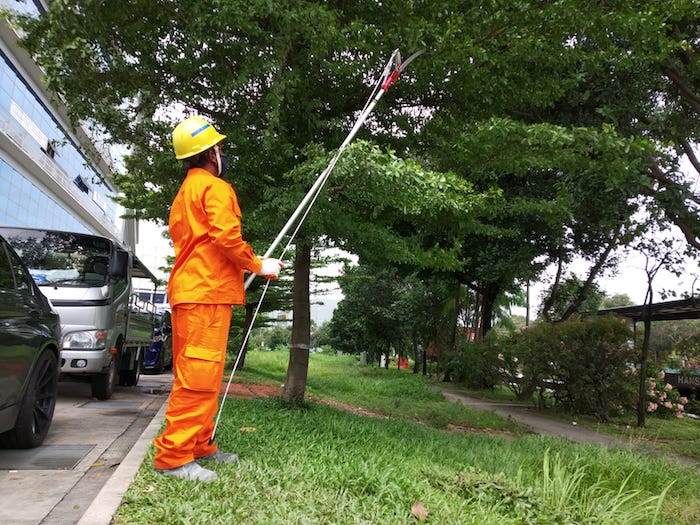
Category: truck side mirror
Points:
column 119, row 264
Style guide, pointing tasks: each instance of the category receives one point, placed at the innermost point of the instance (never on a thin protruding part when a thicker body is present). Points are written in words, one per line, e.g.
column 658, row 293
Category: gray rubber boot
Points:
column 220, row 457
column 190, row 471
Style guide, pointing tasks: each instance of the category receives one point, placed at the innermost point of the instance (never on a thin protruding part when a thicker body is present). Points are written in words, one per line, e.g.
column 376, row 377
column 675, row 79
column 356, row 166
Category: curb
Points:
column 102, row 509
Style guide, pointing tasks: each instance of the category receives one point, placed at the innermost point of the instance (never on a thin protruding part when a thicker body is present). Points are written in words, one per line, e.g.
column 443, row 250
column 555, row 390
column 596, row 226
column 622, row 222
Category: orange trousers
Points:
column 200, row 334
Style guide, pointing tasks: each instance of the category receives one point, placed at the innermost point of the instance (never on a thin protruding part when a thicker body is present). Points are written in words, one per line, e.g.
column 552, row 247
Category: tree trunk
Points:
column 243, row 350
column 488, row 299
column 416, row 356
column 642, row 397
column 297, row 370
column 454, row 317
column 582, row 293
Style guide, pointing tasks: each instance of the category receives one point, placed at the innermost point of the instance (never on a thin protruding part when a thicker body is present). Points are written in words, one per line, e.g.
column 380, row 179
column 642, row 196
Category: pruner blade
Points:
column 402, row 65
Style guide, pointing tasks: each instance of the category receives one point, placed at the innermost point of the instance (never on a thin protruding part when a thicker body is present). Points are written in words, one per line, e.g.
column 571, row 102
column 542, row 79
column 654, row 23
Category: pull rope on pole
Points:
column 387, row 78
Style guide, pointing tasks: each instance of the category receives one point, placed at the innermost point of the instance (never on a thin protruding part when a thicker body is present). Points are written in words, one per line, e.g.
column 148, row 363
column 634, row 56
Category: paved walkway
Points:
column 541, row 424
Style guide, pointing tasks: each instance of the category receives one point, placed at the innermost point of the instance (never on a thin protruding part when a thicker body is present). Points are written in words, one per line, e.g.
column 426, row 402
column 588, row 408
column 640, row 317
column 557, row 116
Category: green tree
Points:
column 570, row 116
column 567, row 301
column 372, row 298
column 621, row 299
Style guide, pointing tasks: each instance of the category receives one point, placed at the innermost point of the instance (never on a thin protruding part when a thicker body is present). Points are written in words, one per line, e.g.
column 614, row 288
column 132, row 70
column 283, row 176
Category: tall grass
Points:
column 316, row 464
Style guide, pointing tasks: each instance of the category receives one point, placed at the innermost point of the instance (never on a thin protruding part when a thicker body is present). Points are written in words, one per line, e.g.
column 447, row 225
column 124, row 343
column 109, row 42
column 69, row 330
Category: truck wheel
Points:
column 158, row 369
column 37, row 406
column 102, row 385
column 131, row 377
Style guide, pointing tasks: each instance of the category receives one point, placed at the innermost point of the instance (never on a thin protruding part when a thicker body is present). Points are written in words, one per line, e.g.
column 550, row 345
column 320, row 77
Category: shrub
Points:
column 475, row 363
column 662, row 399
column 581, row 366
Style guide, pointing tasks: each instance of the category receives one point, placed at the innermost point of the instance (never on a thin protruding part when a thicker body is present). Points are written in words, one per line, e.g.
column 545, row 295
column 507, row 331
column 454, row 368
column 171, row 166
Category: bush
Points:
column 662, row 399
column 581, row 366
column 475, row 363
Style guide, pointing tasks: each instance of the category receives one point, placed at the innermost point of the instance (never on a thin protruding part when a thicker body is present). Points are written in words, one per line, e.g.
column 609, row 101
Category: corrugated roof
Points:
column 664, row 311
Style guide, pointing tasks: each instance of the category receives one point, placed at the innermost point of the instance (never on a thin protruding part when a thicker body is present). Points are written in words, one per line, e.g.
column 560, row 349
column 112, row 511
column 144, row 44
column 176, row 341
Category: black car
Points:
column 30, row 331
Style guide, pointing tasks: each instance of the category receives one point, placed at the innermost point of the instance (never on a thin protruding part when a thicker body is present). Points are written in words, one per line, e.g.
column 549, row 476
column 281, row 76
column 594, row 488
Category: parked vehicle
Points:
column 160, row 355
column 106, row 329
column 29, row 350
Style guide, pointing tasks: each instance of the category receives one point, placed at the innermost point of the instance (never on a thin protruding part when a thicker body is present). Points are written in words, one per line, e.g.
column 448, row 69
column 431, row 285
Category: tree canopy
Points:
column 529, row 133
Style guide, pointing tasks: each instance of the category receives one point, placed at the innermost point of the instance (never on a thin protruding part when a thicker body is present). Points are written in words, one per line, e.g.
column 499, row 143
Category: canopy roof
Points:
column 138, row 269
column 666, row 311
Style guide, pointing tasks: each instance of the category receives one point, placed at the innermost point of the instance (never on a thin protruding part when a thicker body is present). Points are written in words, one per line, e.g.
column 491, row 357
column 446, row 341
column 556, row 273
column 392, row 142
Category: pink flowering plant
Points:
column 662, row 399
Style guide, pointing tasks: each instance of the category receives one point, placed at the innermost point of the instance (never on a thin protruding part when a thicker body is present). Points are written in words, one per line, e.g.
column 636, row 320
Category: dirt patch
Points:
column 251, row 390
column 349, row 408
column 256, row 391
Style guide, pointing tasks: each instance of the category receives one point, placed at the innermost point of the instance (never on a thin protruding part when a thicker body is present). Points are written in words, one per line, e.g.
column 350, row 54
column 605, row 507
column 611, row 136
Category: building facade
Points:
column 51, row 174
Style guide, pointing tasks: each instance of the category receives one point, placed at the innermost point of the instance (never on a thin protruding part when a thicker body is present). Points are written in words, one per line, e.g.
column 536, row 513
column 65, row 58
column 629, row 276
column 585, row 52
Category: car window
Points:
column 22, row 278
column 7, row 280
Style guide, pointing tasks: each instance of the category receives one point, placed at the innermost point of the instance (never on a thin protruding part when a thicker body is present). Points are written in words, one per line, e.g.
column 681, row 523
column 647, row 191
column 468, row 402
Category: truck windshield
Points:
column 62, row 258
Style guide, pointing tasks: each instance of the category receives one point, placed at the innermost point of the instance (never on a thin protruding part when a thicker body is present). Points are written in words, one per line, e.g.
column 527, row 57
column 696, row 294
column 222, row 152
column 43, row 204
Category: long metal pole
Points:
column 388, row 77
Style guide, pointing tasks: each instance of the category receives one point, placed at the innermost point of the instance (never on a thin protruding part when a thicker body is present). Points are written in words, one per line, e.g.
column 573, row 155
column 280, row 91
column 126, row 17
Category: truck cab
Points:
column 105, row 327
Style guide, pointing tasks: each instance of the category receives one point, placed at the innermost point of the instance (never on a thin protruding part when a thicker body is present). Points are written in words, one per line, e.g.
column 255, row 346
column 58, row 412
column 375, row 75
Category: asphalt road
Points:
column 54, row 484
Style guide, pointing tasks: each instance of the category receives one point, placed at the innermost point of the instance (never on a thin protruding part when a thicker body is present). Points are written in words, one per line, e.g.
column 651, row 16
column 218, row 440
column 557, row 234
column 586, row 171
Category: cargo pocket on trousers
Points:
column 199, row 369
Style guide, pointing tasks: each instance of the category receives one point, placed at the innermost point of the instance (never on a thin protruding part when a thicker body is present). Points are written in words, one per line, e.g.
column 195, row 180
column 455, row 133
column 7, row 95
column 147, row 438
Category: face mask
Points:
column 221, row 162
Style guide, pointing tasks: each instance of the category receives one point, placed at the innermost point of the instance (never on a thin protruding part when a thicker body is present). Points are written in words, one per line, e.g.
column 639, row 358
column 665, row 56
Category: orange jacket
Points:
column 210, row 254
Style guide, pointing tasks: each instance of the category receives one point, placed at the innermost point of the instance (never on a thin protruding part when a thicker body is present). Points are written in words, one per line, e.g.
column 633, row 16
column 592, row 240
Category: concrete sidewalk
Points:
column 93, row 450
column 107, row 501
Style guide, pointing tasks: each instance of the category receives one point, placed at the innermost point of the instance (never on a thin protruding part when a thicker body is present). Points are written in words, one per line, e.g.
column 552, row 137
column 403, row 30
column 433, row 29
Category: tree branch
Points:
column 690, row 153
column 549, row 300
column 592, row 274
column 674, row 75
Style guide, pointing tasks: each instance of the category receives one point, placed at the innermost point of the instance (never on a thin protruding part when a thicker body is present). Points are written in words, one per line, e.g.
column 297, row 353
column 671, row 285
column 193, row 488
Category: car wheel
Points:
column 102, row 385
column 37, row 406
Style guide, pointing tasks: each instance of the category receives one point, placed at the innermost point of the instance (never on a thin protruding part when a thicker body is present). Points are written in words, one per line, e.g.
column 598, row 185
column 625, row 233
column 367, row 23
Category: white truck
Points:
column 106, row 328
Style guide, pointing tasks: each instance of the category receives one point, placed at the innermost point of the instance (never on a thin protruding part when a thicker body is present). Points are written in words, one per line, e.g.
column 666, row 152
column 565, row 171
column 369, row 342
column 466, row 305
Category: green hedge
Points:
column 581, row 366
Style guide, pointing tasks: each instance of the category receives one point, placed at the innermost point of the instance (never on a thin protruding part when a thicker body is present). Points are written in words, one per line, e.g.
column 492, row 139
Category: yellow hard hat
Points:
column 194, row 135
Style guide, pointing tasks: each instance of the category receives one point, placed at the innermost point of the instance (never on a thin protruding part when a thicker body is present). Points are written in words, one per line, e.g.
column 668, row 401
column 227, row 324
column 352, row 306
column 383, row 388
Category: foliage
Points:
column 616, row 300
column 321, row 336
column 663, row 399
column 677, row 343
column 270, row 338
column 381, row 312
column 529, row 133
column 583, row 366
column 564, row 295
column 569, row 112
column 475, row 363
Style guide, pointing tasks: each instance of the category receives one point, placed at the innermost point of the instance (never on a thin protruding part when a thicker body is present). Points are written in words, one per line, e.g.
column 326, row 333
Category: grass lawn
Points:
column 319, row 464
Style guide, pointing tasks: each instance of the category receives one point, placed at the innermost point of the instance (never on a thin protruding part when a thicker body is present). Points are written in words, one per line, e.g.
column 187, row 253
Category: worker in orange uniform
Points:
column 206, row 280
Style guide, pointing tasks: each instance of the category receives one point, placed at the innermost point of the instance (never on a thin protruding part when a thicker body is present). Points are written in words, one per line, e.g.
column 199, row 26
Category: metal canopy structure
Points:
column 666, row 311
column 138, row 269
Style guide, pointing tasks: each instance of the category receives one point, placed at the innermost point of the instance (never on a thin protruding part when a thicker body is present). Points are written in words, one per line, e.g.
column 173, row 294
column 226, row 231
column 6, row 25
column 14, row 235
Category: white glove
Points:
column 270, row 268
